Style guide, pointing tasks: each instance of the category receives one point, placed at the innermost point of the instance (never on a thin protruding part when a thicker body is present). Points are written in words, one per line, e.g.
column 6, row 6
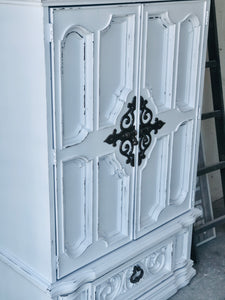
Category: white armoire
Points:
column 100, row 114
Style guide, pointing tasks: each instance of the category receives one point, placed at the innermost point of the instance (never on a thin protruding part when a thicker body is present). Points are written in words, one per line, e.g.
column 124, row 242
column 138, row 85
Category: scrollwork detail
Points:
column 145, row 128
column 128, row 134
column 151, row 265
column 156, row 262
column 111, row 288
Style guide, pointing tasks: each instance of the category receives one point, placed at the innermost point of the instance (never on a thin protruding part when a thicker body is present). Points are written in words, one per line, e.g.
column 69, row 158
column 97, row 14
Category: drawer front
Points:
column 154, row 267
column 141, row 274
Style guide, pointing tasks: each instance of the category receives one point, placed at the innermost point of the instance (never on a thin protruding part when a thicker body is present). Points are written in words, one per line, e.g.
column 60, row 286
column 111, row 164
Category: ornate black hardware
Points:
column 128, row 133
column 145, row 129
column 137, row 274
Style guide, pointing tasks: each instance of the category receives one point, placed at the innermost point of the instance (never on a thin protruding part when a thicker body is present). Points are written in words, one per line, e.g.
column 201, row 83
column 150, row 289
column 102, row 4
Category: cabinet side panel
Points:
column 24, row 185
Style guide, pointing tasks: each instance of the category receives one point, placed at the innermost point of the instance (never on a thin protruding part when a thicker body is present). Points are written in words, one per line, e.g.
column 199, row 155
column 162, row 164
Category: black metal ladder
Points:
column 218, row 113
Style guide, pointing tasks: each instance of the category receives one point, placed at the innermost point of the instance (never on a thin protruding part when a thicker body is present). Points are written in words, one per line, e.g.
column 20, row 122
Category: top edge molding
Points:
column 81, row 2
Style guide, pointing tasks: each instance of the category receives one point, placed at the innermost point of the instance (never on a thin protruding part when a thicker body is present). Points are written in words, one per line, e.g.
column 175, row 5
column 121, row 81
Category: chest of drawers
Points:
column 100, row 120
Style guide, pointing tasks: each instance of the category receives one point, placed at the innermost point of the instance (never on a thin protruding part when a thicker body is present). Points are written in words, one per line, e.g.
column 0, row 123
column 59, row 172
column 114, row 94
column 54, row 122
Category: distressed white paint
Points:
column 173, row 181
column 24, row 183
column 81, row 200
column 76, row 69
column 110, row 95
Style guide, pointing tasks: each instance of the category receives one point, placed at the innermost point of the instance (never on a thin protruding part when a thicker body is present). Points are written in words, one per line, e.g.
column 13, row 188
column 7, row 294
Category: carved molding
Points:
column 170, row 286
column 125, row 71
column 188, row 220
column 187, row 69
column 112, row 172
column 82, row 294
column 152, row 265
column 160, row 42
column 181, row 163
column 77, row 246
column 70, row 288
column 77, row 132
column 157, row 177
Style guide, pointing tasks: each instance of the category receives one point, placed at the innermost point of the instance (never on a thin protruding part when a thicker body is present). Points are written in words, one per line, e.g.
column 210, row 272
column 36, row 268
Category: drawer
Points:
column 153, row 267
column 138, row 276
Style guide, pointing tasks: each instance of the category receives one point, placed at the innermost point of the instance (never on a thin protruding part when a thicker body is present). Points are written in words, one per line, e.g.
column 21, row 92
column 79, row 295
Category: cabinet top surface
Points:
column 80, row 2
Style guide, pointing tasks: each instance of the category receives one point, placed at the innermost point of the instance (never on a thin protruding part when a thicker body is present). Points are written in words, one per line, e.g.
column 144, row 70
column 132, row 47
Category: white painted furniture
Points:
column 99, row 129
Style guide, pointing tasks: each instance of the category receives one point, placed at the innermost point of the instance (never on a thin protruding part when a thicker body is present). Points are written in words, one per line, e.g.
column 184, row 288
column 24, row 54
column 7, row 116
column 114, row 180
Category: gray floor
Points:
column 209, row 283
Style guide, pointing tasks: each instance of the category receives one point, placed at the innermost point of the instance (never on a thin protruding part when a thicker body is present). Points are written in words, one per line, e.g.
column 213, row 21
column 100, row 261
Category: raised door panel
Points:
column 116, row 67
column 95, row 61
column 77, row 215
column 172, row 46
column 114, row 205
column 76, row 83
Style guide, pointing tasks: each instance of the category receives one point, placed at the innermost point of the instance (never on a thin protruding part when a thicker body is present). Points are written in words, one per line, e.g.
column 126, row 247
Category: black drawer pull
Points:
column 138, row 273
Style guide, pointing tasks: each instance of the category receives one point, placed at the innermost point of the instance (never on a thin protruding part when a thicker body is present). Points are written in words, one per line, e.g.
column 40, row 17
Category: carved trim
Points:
column 86, row 124
column 151, row 203
column 170, row 286
column 161, row 94
column 180, row 186
column 70, row 287
column 188, row 64
column 154, row 264
column 189, row 219
column 125, row 84
column 79, row 246
column 122, row 181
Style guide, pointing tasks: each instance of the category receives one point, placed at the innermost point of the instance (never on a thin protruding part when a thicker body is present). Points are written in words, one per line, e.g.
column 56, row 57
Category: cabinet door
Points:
column 95, row 61
column 171, row 68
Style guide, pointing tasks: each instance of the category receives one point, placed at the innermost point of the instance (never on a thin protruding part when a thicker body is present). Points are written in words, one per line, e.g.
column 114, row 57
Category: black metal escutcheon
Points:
column 145, row 128
column 138, row 273
column 128, row 134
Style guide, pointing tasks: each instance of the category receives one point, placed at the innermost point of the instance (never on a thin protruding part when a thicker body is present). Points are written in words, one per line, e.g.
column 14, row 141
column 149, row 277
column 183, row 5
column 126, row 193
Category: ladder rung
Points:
column 212, row 114
column 215, row 167
column 211, row 64
column 211, row 224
